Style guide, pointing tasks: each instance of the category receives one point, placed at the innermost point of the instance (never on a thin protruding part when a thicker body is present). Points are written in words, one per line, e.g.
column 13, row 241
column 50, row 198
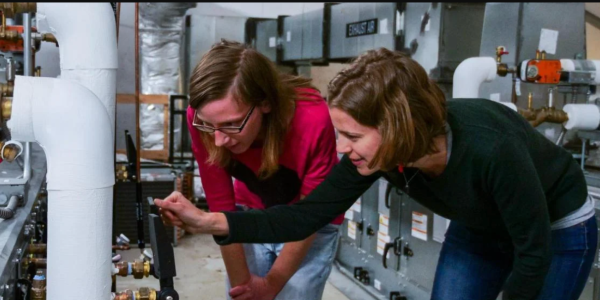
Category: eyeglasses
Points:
column 228, row 129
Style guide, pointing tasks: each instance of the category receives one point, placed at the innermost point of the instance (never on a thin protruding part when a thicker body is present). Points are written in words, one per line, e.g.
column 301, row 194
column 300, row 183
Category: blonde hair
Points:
column 232, row 67
column 391, row 92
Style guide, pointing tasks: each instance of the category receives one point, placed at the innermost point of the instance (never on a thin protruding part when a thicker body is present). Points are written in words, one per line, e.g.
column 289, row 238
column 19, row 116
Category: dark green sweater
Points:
column 503, row 178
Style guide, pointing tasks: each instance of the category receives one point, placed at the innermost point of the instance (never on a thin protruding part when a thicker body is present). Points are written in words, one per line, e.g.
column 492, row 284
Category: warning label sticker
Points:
column 419, row 225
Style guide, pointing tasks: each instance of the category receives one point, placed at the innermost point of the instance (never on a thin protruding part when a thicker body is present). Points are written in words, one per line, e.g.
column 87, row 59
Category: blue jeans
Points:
column 473, row 266
column 309, row 280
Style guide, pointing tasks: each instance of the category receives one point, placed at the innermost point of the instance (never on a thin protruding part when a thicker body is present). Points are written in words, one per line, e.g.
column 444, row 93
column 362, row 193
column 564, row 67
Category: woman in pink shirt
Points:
column 273, row 134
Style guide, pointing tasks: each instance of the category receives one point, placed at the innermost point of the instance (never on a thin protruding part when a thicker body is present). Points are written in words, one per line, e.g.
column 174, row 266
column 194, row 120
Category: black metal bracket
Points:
column 163, row 255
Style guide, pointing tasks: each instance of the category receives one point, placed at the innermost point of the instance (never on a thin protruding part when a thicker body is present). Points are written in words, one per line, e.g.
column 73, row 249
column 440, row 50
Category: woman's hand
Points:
column 178, row 211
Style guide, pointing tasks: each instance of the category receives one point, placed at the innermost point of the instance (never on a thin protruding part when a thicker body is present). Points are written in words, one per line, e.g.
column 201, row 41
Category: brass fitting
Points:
column 145, row 294
column 39, row 263
column 10, row 152
column 38, row 286
column 502, row 69
column 537, row 54
column 141, row 269
column 529, row 114
column 37, row 248
column 500, row 50
column 38, row 71
column 49, row 37
column 9, row 9
column 6, row 107
column 124, row 295
column 543, row 54
column 123, row 268
column 7, row 89
column 10, row 35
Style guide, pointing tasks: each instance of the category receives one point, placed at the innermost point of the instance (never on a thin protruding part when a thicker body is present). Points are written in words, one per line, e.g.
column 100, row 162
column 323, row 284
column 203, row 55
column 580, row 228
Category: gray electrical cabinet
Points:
column 439, row 36
column 358, row 27
column 200, row 33
column 261, row 34
column 303, row 37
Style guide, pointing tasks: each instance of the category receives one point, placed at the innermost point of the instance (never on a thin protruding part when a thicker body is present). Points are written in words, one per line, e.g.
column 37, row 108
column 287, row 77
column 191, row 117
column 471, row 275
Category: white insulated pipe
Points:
column 582, row 116
column 470, row 74
column 73, row 120
column 72, row 126
column 86, row 33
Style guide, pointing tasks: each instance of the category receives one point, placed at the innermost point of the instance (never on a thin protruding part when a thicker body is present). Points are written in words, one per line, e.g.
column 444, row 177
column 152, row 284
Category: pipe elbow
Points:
column 79, row 27
column 470, row 74
column 71, row 125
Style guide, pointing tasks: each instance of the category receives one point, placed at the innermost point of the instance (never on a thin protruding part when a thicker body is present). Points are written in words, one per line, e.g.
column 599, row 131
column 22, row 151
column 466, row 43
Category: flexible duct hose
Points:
column 9, row 211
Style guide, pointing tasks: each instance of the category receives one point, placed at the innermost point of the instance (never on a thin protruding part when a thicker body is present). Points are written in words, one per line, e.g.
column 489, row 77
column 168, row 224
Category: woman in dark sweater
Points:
column 522, row 220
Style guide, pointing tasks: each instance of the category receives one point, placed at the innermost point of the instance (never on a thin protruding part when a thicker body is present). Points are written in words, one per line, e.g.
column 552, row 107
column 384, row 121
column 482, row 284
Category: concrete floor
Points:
column 200, row 271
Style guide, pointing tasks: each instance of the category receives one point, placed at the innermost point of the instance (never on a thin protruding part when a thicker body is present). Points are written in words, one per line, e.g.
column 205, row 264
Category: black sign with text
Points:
column 361, row 28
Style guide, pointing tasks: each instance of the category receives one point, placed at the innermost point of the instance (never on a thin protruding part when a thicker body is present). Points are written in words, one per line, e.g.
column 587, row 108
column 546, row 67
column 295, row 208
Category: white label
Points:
column 272, row 42
column 382, row 239
column 428, row 26
column 349, row 215
column 288, row 36
column 518, row 87
column 495, row 97
column 377, row 284
column 384, row 222
column 352, row 229
column 356, row 206
column 383, row 27
column 548, row 40
column 419, row 225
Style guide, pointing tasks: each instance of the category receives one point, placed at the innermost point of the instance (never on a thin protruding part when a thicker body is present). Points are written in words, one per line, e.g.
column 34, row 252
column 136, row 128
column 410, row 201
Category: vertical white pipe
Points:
column 71, row 125
column 80, row 180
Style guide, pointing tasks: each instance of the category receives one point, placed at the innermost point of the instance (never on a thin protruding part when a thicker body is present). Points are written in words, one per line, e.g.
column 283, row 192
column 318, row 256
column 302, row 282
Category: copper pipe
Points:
column 137, row 90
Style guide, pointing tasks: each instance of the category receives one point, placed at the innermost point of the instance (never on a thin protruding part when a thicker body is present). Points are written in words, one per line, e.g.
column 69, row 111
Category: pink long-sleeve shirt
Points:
column 308, row 155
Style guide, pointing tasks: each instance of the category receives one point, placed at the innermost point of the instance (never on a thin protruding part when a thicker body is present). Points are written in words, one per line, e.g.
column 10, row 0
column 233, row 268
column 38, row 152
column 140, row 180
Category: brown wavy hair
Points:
column 391, row 92
column 232, row 67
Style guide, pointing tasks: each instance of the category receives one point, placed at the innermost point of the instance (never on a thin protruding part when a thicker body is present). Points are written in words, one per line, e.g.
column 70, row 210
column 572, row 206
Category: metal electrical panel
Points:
column 201, row 32
column 266, row 38
column 440, row 36
column 303, row 37
column 358, row 27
